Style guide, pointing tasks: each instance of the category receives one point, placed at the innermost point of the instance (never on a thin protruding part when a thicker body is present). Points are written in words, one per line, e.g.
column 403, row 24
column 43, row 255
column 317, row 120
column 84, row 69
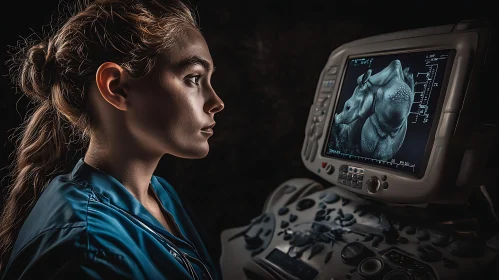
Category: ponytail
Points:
column 39, row 149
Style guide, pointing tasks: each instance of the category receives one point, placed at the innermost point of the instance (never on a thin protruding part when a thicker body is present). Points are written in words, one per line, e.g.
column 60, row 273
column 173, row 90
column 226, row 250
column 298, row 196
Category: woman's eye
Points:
column 194, row 79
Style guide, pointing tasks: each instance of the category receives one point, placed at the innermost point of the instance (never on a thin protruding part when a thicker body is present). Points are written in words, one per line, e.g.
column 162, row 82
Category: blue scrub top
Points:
column 87, row 225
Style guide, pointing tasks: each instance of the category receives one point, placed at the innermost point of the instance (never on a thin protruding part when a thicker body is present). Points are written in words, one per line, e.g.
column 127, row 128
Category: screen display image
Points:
column 386, row 109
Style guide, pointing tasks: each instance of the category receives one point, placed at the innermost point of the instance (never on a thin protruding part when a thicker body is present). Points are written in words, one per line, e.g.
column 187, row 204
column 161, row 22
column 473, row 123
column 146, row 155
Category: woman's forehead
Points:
column 190, row 49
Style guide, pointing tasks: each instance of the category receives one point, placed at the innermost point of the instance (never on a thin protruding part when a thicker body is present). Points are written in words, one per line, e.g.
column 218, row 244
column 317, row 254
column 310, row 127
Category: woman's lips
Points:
column 207, row 130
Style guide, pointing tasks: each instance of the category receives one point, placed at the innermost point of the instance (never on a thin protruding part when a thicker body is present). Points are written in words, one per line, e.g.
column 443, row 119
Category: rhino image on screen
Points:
column 373, row 122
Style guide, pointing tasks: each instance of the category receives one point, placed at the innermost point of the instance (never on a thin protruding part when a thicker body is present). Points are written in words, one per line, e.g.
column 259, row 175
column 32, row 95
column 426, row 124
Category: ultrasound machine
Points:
column 395, row 135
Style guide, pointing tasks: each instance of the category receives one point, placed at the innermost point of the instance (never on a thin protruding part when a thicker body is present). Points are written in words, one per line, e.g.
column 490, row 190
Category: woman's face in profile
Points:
column 172, row 107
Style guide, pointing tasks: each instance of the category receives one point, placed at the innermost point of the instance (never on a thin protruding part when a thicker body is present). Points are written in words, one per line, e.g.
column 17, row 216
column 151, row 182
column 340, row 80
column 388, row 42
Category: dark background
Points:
column 269, row 55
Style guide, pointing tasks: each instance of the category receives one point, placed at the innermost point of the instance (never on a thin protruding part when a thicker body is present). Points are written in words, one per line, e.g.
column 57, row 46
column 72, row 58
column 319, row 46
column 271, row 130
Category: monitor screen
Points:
column 386, row 109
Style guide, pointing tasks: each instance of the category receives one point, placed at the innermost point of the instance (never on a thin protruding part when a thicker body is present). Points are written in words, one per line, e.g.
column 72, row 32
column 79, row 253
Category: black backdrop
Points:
column 268, row 55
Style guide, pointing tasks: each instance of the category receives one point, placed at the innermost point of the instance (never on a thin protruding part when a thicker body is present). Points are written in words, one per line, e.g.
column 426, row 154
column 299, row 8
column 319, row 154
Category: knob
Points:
column 354, row 252
column 330, row 169
column 304, row 204
column 253, row 241
column 371, row 268
column 373, row 184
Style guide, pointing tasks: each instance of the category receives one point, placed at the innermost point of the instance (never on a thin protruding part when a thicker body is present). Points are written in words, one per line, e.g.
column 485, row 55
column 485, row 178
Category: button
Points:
column 289, row 189
column 311, row 130
column 345, row 201
column 348, row 217
column 332, row 70
column 340, row 213
column 422, row 234
column 410, row 230
column 384, row 185
column 328, row 256
column 292, row 218
column 354, row 252
column 440, row 239
column 319, row 131
column 320, row 215
column 323, row 101
column 331, row 198
column 283, row 211
column 304, row 204
column 383, row 177
column 284, row 224
column 323, row 164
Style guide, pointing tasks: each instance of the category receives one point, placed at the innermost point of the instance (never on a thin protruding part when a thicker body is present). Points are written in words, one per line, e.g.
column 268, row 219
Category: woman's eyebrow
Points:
column 194, row 60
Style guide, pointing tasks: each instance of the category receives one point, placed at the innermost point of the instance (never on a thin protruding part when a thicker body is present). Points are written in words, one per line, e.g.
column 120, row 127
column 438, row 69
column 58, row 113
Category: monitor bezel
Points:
column 436, row 119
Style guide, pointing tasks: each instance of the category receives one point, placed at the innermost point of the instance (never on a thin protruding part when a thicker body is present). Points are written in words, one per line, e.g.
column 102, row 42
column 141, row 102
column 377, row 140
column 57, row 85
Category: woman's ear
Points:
column 110, row 80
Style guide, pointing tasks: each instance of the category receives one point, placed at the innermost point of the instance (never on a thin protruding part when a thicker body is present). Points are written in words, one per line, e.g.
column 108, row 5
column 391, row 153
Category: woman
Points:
column 133, row 79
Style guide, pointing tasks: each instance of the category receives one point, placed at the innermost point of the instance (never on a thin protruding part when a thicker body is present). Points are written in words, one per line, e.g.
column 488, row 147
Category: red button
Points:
column 324, row 164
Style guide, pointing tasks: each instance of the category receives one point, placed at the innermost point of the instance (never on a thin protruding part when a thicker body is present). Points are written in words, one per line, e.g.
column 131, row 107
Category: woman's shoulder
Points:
column 67, row 219
column 62, row 204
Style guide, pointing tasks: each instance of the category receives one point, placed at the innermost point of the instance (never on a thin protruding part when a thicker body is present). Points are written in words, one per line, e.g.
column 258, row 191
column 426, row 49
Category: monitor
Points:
column 394, row 116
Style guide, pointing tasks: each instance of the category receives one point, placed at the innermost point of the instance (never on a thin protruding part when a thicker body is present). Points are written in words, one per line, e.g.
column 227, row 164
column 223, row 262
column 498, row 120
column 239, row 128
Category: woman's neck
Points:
column 133, row 172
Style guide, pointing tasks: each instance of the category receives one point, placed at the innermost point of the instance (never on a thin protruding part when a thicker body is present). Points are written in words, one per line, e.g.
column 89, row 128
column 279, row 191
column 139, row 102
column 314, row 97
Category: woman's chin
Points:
column 194, row 152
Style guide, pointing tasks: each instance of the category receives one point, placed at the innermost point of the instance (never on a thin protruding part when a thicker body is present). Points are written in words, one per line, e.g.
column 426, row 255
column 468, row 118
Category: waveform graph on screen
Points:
column 425, row 85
